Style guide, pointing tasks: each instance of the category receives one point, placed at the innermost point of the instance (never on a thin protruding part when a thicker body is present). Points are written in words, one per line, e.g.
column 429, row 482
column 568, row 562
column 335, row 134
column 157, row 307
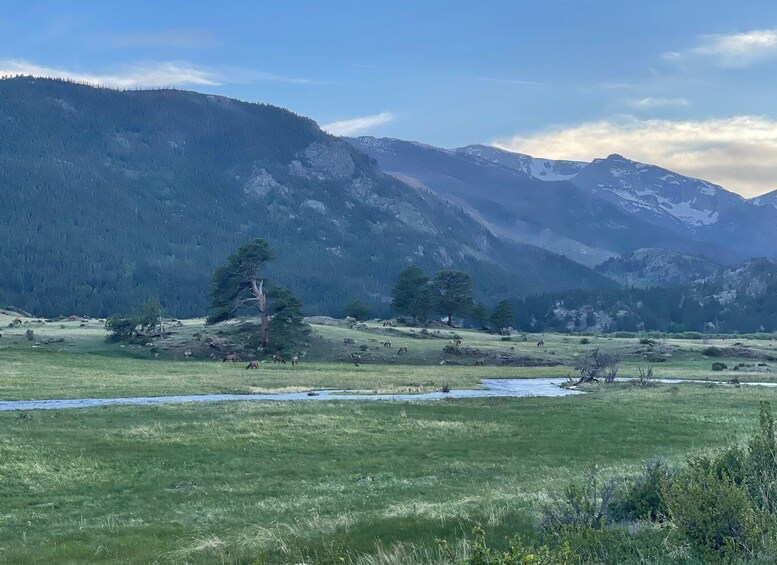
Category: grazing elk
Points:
column 480, row 362
column 252, row 365
column 457, row 342
column 402, row 350
column 187, row 353
column 294, row 361
column 388, row 324
column 230, row 357
column 541, row 343
column 278, row 359
column 386, row 344
column 356, row 358
column 17, row 322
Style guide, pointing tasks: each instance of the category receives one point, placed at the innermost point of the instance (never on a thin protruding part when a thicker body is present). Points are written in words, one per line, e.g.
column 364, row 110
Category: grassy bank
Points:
column 234, row 482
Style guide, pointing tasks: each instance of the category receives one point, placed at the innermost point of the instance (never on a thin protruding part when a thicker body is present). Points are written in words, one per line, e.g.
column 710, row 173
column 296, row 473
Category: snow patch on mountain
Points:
column 638, row 188
column 542, row 169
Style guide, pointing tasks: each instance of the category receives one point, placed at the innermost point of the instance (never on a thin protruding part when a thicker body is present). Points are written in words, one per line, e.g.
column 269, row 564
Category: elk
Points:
column 402, row 350
column 386, row 344
column 480, row 362
column 541, row 343
column 278, row 359
column 231, row 358
column 187, row 353
column 294, row 361
column 388, row 324
column 356, row 358
column 457, row 342
column 17, row 321
column 252, row 365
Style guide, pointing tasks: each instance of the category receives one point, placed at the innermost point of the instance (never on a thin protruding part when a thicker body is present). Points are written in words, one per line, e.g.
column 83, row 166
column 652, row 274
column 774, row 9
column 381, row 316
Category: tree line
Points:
column 449, row 294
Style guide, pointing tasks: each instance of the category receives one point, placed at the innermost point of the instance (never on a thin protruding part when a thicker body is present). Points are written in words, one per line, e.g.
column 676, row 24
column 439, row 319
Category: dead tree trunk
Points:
column 258, row 292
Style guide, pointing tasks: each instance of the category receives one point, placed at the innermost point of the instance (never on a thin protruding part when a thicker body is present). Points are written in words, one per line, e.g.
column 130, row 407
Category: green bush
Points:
column 713, row 515
column 717, row 366
column 518, row 553
column 584, row 341
column 712, row 352
column 642, row 497
column 584, row 503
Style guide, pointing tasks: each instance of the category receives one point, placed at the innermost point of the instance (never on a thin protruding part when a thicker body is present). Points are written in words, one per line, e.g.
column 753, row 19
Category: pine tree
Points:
column 480, row 315
column 502, row 316
column 288, row 330
column 453, row 293
column 237, row 284
column 412, row 295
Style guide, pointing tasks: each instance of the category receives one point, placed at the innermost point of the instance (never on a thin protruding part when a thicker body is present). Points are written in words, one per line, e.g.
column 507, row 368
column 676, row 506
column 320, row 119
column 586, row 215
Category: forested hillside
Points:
column 110, row 197
column 737, row 299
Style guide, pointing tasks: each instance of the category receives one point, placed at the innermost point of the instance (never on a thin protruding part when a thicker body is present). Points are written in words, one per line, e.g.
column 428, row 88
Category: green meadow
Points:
column 326, row 482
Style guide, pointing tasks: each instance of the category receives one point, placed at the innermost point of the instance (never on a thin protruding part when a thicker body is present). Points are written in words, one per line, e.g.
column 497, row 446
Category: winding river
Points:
column 515, row 388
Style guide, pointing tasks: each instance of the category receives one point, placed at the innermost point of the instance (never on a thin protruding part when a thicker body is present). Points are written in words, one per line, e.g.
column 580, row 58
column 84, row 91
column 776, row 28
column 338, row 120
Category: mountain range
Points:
column 110, row 197
column 589, row 212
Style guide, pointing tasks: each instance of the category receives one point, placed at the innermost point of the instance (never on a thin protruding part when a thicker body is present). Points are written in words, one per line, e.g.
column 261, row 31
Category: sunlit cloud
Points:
column 649, row 102
column 149, row 75
column 358, row 125
column 734, row 50
column 738, row 153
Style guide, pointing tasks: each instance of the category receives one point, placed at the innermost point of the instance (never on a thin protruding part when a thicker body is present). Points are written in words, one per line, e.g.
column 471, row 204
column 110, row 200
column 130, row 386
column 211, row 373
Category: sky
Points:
column 685, row 84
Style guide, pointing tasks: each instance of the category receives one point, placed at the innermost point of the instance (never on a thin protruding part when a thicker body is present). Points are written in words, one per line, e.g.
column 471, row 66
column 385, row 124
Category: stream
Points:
column 515, row 388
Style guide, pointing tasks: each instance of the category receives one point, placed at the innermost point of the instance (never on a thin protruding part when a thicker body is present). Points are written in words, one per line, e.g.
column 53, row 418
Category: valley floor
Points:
column 292, row 482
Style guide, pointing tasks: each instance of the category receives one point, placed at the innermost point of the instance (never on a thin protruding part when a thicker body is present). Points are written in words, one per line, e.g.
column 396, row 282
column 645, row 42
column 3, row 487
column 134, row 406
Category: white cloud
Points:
column 358, row 125
column 170, row 73
column 734, row 50
column 649, row 102
column 149, row 75
column 738, row 153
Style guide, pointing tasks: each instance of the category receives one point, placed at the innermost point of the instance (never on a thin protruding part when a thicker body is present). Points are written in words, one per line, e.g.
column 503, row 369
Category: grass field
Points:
column 294, row 482
column 234, row 482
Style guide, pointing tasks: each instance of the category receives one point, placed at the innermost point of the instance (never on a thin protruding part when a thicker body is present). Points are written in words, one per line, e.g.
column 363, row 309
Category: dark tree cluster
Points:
column 450, row 294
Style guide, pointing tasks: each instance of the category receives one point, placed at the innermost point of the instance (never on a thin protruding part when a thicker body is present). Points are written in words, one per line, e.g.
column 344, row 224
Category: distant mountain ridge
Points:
column 619, row 205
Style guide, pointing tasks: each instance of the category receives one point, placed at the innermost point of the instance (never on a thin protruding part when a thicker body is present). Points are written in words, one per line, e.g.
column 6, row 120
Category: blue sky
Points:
column 689, row 85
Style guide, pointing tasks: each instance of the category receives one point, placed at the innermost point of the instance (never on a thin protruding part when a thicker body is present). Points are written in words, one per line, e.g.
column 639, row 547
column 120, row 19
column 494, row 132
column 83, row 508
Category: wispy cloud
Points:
column 149, row 75
column 358, row 125
column 734, row 50
column 739, row 153
column 514, row 81
column 650, row 102
column 169, row 73
column 180, row 38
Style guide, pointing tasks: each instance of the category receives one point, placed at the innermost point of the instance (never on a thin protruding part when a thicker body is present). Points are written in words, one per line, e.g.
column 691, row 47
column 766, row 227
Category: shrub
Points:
column 30, row 335
column 717, row 366
column 518, row 553
column 647, row 341
column 585, row 503
column 642, row 498
column 584, row 341
column 357, row 310
column 713, row 515
column 712, row 352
